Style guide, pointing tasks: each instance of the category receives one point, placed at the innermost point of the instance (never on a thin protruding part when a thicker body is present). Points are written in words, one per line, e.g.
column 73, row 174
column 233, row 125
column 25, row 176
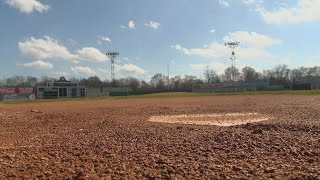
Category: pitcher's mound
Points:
column 218, row 119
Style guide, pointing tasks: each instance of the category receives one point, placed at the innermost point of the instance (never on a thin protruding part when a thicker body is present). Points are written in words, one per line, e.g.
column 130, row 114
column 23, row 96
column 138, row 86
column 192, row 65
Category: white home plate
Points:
column 218, row 119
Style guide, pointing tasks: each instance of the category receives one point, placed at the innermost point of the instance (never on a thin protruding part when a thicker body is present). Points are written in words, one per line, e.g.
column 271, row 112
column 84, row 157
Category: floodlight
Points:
column 112, row 55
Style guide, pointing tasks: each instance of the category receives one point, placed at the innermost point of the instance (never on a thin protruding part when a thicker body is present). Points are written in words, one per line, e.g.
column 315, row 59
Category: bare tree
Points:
column 93, row 81
column 231, row 74
column 74, row 79
column 158, row 81
column 189, row 81
column 32, row 81
column 145, row 85
column 267, row 74
column 10, row 81
column 44, row 80
column 211, row 76
column 133, row 82
column 281, row 72
column 296, row 73
column 249, row 74
column 313, row 71
column 176, row 82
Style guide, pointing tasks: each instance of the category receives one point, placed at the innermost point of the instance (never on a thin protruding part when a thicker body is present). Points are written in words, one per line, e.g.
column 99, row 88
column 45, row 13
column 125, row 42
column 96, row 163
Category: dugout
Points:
column 306, row 83
column 301, row 86
column 61, row 89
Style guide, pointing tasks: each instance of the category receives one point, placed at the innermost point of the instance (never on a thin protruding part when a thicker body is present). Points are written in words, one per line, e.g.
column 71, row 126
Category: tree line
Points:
column 280, row 74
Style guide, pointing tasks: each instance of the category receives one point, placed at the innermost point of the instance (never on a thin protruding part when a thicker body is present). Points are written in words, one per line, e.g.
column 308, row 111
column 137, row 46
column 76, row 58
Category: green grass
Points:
column 40, row 100
column 161, row 95
column 297, row 92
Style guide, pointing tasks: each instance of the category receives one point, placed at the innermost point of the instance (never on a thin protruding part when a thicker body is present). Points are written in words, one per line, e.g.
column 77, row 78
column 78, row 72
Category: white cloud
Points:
column 182, row 49
column 106, row 39
column 253, row 45
column 103, row 71
column 28, row 6
column 39, row 64
column 224, row 3
column 152, row 24
column 256, row 4
column 75, row 61
column 252, row 39
column 90, row 53
column 252, row 2
column 198, row 66
column 131, row 25
column 72, row 42
column 312, row 61
column 212, row 30
column 253, row 53
column 304, row 11
column 83, row 70
column 130, row 68
column 214, row 50
column 48, row 48
column 45, row 48
column 102, row 39
column 281, row 4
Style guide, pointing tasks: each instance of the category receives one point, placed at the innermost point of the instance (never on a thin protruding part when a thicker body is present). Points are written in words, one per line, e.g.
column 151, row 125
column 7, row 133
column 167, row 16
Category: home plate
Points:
column 217, row 119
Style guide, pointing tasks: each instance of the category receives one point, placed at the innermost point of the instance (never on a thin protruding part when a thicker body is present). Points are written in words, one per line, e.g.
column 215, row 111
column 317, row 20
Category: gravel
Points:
column 113, row 139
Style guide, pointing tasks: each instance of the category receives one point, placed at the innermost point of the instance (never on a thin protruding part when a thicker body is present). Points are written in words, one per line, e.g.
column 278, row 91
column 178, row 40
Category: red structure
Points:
column 17, row 93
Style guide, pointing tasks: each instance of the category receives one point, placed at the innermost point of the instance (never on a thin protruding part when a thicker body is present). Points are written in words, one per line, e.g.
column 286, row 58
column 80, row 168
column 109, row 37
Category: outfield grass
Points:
column 301, row 92
column 170, row 94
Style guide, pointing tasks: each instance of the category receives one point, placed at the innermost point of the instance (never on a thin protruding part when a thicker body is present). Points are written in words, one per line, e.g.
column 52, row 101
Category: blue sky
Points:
column 70, row 38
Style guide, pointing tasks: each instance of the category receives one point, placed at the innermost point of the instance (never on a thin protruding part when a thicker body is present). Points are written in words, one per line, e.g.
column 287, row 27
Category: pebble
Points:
column 257, row 131
column 35, row 111
column 269, row 170
column 127, row 146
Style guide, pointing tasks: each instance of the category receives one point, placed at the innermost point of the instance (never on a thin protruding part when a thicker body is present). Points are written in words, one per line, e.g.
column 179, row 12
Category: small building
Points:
column 61, row 89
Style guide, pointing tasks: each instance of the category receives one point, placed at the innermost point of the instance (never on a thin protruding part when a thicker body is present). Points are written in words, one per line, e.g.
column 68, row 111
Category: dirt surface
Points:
column 113, row 139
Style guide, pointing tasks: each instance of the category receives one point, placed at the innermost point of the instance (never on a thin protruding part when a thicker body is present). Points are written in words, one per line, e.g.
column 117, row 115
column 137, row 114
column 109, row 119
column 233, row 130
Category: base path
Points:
column 267, row 136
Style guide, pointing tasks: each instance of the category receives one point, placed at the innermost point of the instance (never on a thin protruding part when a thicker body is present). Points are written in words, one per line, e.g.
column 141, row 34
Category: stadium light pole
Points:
column 112, row 56
column 232, row 46
column 168, row 69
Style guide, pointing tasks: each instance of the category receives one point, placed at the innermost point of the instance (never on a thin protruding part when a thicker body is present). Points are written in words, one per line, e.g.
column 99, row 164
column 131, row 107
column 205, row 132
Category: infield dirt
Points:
column 114, row 139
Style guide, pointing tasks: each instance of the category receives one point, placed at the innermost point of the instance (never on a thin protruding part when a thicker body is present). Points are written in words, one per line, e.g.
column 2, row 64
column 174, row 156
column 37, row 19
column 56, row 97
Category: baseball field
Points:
column 176, row 136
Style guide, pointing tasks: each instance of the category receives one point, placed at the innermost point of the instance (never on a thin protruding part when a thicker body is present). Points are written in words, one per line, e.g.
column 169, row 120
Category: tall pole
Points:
column 168, row 69
column 112, row 70
column 232, row 46
column 112, row 55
